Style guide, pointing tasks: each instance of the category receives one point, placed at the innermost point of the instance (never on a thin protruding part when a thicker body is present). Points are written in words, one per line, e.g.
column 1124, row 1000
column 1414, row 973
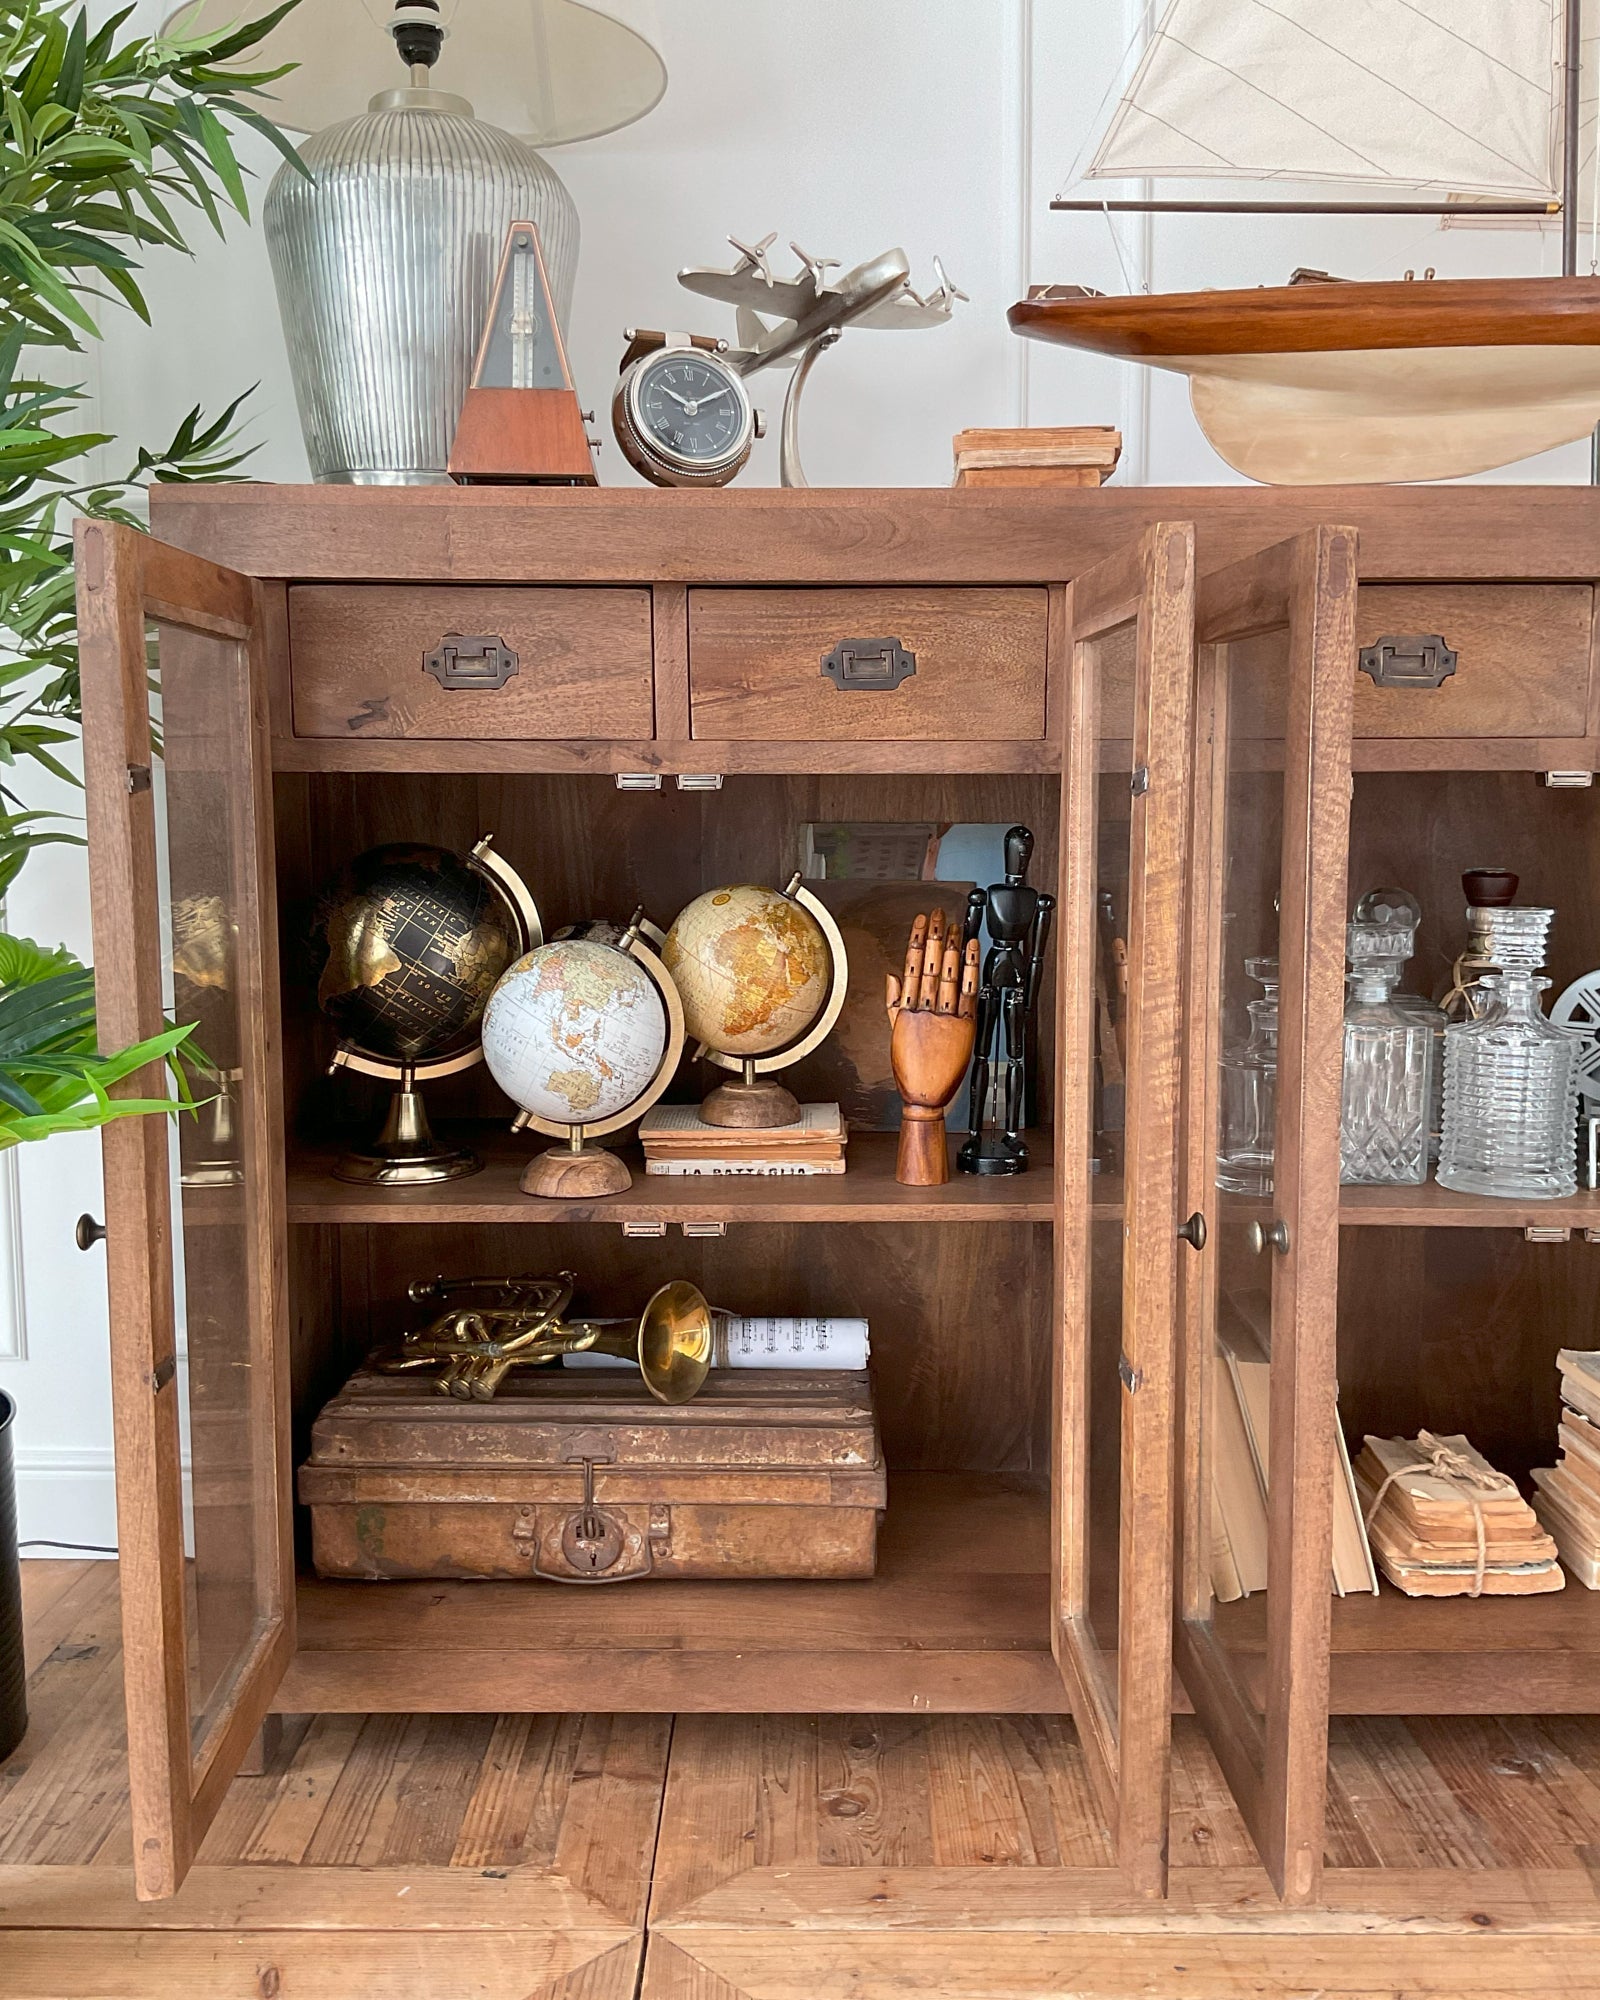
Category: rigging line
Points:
column 1116, row 245
column 1124, row 77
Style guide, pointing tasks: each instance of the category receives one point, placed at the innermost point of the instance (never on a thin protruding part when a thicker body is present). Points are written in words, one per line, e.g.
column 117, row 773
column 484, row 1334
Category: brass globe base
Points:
column 750, row 1104
column 576, row 1173
column 406, row 1153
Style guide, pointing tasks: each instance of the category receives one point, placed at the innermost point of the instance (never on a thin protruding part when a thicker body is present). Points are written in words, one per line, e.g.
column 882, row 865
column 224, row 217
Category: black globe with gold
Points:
column 409, row 940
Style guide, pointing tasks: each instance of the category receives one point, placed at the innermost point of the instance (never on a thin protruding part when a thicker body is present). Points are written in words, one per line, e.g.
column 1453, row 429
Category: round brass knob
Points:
column 88, row 1232
column 1260, row 1235
column 1193, row 1231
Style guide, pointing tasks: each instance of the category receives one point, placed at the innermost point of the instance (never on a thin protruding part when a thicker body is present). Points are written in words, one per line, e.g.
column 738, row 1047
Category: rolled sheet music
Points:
column 767, row 1341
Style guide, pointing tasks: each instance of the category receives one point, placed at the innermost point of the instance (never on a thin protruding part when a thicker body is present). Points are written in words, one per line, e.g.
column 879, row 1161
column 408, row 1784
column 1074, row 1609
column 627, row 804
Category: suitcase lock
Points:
column 591, row 1539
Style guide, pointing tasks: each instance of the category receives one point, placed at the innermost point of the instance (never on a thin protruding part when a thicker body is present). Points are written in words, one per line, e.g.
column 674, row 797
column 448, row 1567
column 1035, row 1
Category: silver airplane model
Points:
column 792, row 320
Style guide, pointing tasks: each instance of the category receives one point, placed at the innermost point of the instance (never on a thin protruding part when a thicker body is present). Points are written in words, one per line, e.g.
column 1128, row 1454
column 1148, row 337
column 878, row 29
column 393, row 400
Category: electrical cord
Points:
column 78, row 1548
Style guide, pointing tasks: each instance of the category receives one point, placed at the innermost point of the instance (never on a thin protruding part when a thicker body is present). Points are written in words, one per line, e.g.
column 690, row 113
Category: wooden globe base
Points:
column 758, row 1104
column 576, row 1173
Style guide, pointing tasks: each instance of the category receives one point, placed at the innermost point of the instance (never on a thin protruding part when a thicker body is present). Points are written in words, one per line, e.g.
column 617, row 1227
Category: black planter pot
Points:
column 13, row 1674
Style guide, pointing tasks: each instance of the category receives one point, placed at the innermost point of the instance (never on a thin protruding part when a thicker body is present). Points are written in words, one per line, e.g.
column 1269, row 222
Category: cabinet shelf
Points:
column 1433, row 1207
column 956, row 1619
column 1399, row 1655
column 866, row 1192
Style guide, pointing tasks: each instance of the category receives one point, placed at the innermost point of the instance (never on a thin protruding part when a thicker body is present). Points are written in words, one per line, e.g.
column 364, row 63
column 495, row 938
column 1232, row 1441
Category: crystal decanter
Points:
column 1388, row 1064
column 1398, row 909
column 1511, row 1076
column 1249, row 1079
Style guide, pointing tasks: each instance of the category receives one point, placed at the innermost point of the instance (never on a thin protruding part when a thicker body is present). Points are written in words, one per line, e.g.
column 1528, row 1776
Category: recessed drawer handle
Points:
column 866, row 665
column 1421, row 662
column 462, row 661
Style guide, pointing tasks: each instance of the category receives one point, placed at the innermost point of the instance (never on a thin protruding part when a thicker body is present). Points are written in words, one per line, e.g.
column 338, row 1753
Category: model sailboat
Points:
column 1470, row 109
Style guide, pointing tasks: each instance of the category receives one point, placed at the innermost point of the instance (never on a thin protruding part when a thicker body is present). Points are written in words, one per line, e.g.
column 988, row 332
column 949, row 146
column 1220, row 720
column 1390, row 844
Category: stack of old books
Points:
column 677, row 1140
column 1444, row 1523
column 1241, row 1444
column 1568, row 1498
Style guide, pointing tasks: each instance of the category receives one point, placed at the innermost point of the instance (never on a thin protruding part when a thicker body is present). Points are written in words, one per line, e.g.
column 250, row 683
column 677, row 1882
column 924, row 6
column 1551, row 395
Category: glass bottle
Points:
column 1488, row 892
column 1249, row 1080
column 1399, row 909
column 1388, row 1065
column 1511, row 1077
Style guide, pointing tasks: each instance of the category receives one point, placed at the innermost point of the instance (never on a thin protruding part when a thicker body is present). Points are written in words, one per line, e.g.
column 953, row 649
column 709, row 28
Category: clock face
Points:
column 692, row 408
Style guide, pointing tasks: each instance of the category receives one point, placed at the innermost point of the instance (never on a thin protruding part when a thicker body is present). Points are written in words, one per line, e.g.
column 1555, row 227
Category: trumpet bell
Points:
column 675, row 1342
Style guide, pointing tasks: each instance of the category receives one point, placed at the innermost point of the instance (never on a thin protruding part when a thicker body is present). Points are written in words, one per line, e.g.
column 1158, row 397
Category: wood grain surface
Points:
column 837, row 537
column 1308, row 319
column 510, row 1856
column 755, row 665
column 356, row 657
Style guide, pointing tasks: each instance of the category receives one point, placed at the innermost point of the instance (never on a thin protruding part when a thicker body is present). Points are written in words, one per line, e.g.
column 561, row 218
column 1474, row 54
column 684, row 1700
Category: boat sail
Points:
column 1468, row 109
column 1461, row 96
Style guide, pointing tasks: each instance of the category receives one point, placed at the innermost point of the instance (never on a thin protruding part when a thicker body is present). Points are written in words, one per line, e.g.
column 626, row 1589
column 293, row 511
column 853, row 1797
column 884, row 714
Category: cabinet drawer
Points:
column 800, row 665
column 385, row 660
column 1522, row 659
column 1522, row 663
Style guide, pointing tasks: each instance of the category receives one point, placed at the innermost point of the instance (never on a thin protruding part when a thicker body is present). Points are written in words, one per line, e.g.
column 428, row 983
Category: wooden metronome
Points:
column 521, row 424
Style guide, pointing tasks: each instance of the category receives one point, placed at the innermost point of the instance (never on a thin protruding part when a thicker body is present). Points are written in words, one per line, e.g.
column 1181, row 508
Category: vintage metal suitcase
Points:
column 582, row 1477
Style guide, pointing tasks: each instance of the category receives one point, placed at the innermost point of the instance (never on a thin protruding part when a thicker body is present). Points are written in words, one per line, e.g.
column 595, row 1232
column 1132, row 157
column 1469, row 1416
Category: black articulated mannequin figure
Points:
column 1019, row 929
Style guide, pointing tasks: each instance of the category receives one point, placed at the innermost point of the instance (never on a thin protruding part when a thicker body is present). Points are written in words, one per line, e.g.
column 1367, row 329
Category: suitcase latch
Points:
column 592, row 1545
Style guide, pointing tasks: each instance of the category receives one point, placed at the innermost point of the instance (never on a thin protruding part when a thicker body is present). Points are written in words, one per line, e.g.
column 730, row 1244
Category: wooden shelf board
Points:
column 956, row 1619
column 1433, row 1207
column 1399, row 1655
column 866, row 1192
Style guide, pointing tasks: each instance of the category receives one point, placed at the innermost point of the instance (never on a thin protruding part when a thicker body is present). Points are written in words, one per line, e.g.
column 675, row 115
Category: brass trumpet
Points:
column 522, row 1323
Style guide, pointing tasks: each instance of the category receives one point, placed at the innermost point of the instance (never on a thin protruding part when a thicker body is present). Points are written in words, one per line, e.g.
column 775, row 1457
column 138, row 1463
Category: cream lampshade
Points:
column 384, row 259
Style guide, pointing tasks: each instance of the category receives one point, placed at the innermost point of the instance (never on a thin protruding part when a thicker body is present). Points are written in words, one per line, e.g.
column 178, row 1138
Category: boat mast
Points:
column 1572, row 64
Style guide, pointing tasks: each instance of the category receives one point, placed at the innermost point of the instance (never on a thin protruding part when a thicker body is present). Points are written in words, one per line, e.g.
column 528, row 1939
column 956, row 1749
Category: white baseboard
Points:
column 67, row 1496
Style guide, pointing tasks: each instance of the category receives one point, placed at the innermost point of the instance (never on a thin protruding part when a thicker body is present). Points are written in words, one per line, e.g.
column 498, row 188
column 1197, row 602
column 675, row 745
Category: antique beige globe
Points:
column 761, row 972
column 583, row 1036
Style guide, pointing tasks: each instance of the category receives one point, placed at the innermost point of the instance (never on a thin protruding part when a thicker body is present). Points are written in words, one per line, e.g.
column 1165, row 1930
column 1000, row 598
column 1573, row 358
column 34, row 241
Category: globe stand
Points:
column 750, row 1103
column 406, row 1153
column 577, row 1171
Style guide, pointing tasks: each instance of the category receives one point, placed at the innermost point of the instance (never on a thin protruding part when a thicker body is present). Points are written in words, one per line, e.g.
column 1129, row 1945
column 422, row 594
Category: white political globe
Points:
column 575, row 1032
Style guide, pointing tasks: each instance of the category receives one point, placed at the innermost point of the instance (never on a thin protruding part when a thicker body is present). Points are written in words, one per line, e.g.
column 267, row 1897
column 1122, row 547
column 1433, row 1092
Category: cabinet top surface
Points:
column 855, row 535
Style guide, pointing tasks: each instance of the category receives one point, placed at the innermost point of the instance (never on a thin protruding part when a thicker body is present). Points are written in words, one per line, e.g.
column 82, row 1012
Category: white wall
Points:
column 848, row 125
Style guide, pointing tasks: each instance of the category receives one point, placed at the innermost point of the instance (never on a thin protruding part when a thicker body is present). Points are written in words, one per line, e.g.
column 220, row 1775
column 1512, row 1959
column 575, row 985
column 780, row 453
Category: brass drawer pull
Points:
column 1421, row 662
column 463, row 662
column 867, row 665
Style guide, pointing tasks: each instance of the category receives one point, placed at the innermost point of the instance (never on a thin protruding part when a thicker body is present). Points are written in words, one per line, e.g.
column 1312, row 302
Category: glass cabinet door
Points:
column 1124, row 790
column 1264, row 1006
column 175, row 748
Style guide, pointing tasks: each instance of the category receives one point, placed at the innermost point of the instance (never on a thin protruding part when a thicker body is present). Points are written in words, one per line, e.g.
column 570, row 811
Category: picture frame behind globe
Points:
column 411, row 940
column 584, row 1033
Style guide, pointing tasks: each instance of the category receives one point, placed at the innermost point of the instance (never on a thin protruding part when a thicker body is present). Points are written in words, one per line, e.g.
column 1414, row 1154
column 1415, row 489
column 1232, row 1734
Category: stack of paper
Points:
column 1444, row 1523
column 1568, row 1498
column 677, row 1140
column 1241, row 1441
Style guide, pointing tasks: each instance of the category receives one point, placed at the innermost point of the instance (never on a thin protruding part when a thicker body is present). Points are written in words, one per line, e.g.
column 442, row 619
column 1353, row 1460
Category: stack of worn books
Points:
column 1444, row 1523
column 677, row 1140
column 1568, row 1498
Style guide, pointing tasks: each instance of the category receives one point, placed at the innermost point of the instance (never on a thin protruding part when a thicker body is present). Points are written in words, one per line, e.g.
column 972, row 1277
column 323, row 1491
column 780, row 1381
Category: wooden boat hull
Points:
column 1350, row 384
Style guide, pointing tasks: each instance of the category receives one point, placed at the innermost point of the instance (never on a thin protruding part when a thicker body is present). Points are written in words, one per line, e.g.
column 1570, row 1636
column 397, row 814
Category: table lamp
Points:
column 384, row 261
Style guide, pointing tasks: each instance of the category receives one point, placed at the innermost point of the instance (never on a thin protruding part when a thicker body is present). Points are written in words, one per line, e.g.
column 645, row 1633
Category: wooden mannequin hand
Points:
column 932, row 1014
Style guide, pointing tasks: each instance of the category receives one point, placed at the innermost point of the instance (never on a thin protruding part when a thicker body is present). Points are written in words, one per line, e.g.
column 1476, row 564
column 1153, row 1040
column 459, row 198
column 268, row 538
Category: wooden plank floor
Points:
column 776, row 1858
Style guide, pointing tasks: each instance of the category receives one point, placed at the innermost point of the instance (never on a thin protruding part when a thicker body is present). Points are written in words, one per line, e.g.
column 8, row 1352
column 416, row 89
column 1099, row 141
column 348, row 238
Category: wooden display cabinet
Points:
column 1163, row 685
